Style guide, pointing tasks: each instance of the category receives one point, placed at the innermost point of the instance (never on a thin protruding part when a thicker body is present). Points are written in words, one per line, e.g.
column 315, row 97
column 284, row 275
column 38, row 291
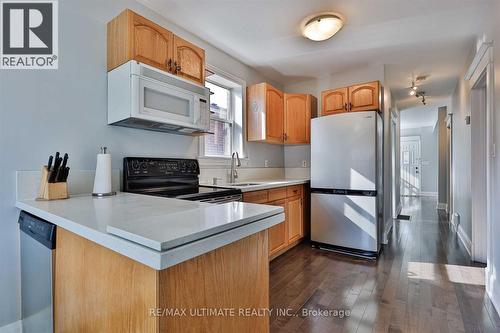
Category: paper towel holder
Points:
column 107, row 194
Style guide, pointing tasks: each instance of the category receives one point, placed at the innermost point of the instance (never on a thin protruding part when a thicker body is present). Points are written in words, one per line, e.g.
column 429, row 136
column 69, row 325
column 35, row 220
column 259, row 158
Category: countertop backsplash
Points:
column 244, row 174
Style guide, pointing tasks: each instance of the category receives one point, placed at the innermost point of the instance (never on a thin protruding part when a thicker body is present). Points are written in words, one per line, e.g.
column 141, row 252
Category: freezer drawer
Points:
column 345, row 220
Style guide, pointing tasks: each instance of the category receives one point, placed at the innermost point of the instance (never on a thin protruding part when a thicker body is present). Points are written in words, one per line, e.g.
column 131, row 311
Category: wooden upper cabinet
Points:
column 151, row 44
column 133, row 37
column 265, row 113
column 364, row 97
column 360, row 97
column 274, row 115
column 299, row 108
column 334, row 101
column 189, row 60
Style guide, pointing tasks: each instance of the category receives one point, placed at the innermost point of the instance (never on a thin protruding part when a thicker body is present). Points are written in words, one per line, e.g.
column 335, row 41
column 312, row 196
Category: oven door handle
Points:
column 224, row 199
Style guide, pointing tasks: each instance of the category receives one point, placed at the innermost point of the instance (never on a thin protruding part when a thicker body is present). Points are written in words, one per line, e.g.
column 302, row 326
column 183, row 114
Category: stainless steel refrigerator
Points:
column 347, row 182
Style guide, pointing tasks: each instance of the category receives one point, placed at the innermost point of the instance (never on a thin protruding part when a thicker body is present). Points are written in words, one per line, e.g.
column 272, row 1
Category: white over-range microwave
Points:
column 141, row 96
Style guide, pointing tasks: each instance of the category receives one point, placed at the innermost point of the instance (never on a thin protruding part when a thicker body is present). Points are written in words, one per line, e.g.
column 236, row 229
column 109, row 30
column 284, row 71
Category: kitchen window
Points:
column 226, row 117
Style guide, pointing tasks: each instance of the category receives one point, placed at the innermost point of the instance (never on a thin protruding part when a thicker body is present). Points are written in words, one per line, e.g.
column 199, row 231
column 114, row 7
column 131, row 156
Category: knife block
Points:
column 51, row 191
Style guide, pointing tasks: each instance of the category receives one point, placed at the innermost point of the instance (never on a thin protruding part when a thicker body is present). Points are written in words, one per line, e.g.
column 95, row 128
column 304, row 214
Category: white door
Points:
column 410, row 166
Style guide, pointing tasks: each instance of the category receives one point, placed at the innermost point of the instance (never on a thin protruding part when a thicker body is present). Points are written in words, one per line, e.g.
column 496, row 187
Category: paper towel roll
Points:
column 102, row 180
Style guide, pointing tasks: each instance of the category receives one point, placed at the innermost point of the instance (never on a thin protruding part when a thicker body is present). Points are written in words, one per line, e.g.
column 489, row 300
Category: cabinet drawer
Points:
column 259, row 197
column 277, row 193
column 294, row 190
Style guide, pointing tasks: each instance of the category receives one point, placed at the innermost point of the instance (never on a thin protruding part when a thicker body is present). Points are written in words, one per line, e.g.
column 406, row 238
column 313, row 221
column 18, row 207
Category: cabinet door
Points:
column 274, row 115
column 278, row 234
column 364, row 97
column 189, row 61
column 151, row 43
column 297, row 118
column 295, row 219
column 334, row 101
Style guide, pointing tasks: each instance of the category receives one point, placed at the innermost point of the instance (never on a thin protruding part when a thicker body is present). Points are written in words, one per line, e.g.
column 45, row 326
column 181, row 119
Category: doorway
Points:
column 410, row 166
column 479, row 154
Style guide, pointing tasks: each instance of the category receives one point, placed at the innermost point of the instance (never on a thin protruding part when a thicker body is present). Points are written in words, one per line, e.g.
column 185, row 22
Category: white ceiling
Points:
column 419, row 116
column 430, row 37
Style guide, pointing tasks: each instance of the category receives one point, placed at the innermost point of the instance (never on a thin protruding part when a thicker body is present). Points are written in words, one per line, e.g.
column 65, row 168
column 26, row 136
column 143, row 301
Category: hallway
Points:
column 423, row 281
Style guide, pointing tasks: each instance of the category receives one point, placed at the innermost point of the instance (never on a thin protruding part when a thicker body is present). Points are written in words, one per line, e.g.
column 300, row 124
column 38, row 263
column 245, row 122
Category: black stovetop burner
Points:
column 168, row 177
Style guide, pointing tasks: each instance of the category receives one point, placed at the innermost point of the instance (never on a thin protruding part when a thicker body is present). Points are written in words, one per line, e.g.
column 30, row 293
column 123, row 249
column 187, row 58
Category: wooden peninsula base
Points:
column 99, row 290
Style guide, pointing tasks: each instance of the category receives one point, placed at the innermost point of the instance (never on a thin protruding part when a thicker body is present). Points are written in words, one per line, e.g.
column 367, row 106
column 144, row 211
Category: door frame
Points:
column 483, row 69
column 449, row 166
column 410, row 138
column 395, row 165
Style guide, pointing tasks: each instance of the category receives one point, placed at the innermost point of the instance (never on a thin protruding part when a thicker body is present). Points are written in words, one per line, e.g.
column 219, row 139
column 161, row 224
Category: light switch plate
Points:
column 304, row 164
column 266, row 163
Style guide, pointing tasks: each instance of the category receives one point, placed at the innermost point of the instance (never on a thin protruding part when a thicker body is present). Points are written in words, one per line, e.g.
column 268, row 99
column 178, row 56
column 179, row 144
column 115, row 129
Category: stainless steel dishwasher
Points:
column 38, row 242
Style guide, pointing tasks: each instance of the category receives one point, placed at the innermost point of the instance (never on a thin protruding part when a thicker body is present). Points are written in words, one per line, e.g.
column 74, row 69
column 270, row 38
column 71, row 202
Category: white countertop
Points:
column 158, row 232
column 257, row 185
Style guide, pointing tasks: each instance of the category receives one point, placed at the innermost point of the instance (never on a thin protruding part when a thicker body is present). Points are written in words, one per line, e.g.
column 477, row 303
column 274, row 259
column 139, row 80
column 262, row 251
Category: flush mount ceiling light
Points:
column 322, row 26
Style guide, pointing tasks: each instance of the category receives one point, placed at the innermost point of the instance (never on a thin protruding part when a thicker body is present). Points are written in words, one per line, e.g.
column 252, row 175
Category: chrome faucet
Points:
column 234, row 173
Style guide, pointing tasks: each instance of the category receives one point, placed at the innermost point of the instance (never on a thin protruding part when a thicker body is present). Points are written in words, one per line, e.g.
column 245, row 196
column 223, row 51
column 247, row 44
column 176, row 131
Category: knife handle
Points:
column 49, row 164
column 65, row 174
column 65, row 161
column 55, row 171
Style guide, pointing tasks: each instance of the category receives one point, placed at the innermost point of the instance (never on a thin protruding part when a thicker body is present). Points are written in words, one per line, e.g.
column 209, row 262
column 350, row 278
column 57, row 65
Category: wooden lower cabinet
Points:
column 295, row 218
column 278, row 235
column 99, row 290
column 289, row 233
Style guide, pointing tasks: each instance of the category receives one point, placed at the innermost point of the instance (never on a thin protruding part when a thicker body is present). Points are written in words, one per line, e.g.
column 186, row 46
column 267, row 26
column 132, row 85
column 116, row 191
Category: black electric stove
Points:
column 172, row 178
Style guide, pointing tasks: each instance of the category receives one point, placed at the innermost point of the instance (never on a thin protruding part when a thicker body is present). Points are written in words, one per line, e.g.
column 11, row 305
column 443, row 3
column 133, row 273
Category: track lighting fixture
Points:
column 421, row 94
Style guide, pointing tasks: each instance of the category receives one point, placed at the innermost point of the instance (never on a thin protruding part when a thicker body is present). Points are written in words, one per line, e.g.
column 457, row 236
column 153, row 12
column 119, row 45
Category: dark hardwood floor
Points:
column 424, row 281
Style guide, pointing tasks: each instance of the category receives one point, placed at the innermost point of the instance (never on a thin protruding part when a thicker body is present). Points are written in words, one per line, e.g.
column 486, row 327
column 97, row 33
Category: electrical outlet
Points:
column 304, row 164
column 266, row 163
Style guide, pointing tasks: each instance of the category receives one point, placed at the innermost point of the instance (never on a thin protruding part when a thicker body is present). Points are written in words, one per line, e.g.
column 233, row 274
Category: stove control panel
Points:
column 144, row 166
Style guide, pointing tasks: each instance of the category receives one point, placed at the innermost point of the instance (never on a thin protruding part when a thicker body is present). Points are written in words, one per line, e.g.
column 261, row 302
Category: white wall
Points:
column 428, row 154
column 461, row 198
column 65, row 110
column 461, row 177
column 493, row 269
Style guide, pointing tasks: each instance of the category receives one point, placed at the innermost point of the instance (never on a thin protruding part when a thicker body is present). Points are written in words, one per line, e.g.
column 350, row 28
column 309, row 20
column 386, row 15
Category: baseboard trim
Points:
column 464, row 239
column 493, row 293
column 15, row 327
column 428, row 194
column 442, row 206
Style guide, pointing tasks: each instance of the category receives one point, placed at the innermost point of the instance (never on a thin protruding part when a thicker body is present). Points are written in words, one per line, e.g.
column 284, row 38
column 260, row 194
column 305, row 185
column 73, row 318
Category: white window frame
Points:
column 229, row 121
column 208, row 160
